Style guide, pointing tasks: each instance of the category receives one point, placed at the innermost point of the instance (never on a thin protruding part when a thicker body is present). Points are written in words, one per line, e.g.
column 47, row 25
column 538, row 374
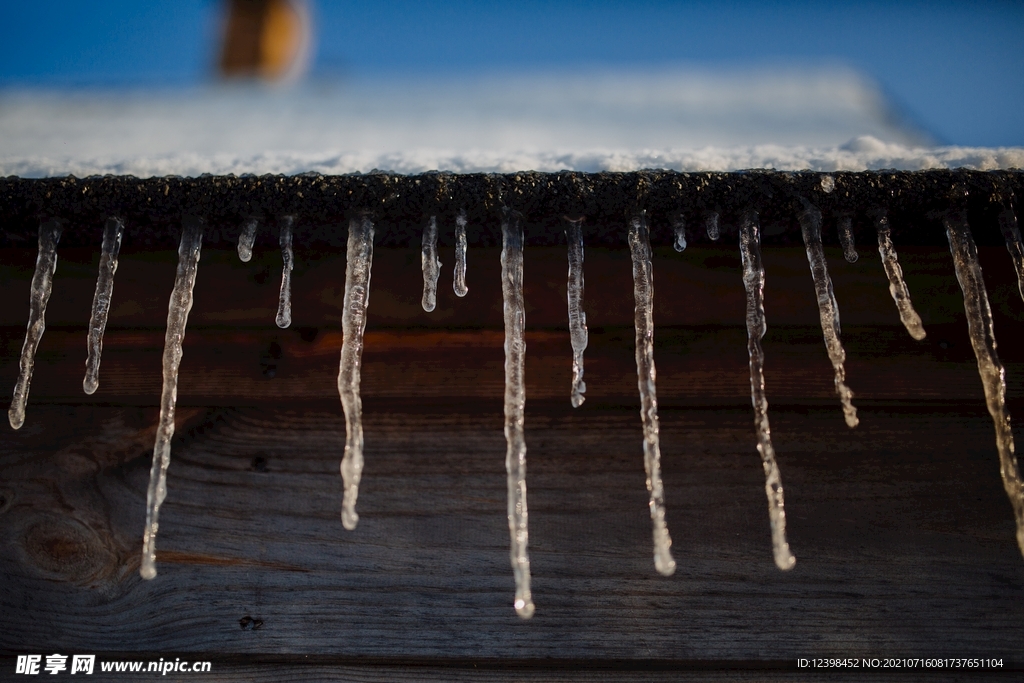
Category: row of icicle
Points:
column 357, row 289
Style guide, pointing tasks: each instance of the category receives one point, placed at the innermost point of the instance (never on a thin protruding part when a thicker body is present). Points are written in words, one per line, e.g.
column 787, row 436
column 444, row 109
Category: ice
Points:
column 711, row 225
column 1008, row 224
column 515, row 405
column 459, row 282
column 828, row 309
column 246, row 239
column 845, row 225
column 112, row 233
column 284, row 306
column 643, row 294
column 983, row 340
column 39, row 295
column 753, row 283
column 577, row 316
column 177, row 318
column 353, row 323
column 679, row 230
column 897, row 287
column 430, row 263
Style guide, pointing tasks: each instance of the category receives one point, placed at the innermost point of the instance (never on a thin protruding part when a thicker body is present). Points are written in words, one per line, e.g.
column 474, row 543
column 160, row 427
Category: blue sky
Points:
column 954, row 69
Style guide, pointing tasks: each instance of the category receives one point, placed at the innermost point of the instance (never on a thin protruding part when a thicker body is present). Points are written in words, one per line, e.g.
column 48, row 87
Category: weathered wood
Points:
column 903, row 535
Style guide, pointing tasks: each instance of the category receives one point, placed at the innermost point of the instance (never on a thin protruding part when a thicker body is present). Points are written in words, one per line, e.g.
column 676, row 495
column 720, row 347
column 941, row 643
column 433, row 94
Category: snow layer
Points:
column 825, row 119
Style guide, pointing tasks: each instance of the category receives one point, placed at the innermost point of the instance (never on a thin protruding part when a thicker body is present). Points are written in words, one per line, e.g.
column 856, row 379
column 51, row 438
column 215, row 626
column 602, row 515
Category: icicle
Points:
column 39, row 295
column 459, row 283
column 993, row 375
column 897, row 287
column 577, row 316
column 846, row 239
column 679, row 243
column 1011, row 233
column 515, row 405
column 284, row 306
column 711, row 225
column 431, row 265
column 246, row 239
column 828, row 309
column 643, row 293
column 353, row 322
column 101, row 301
column 177, row 318
column 753, row 283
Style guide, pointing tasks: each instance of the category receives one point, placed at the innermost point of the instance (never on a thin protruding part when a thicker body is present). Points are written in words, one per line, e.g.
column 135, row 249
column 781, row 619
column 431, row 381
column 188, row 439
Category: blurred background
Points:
column 292, row 85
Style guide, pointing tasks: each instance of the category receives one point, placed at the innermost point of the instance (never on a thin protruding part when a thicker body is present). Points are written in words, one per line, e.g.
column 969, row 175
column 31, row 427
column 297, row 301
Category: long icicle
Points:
column 577, row 316
column 514, row 312
column 643, row 294
column 39, row 295
column 177, row 318
column 246, row 239
column 897, row 286
column 353, row 323
column 284, row 305
column 459, row 281
column 753, row 283
column 828, row 309
column 1011, row 233
column 112, row 233
column 430, row 263
column 983, row 340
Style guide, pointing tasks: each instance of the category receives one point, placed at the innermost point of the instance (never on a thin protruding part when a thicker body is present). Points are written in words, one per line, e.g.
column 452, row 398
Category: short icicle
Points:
column 643, row 294
column 711, row 226
column 459, row 281
column 246, row 239
column 430, row 263
column 753, row 283
column 828, row 309
column 897, row 286
column 112, row 233
column 353, row 323
column 679, row 234
column 515, row 406
column 1011, row 233
column 993, row 375
column 845, row 225
column 177, row 318
column 577, row 317
column 284, row 305
column 39, row 295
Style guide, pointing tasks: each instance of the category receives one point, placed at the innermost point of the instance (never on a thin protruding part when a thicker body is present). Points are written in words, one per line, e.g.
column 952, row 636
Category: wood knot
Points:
column 249, row 624
column 68, row 549
column 6, row 500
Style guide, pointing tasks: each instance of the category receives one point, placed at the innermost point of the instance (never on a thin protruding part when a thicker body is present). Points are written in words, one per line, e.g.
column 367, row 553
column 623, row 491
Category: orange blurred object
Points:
column 266, row 39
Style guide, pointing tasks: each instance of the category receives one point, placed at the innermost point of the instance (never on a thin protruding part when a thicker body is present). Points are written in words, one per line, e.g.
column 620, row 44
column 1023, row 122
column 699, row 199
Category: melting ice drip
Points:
column 246, row 239
column 459, row 281
column 897, row 287
column 711, row 226
column 1011, row 233
column 112, row 233
column 845, row 225
column 514, row 312
column 431, row 264
column 679, row 234
column 39, row 295
column 284, row 306
column 577, row 316
column 643, row 294
column 753, row 283
column 353, row 323
column 983, row 340
column 828, row 309
column 177, row 318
